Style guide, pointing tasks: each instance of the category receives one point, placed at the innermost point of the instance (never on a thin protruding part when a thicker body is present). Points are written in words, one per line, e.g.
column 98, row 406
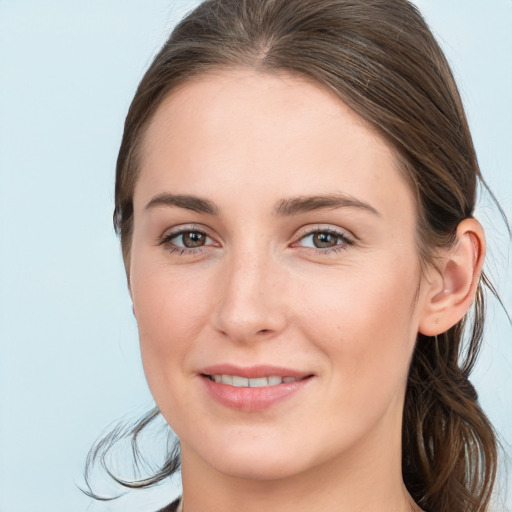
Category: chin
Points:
column 248, row 457
column 259, row 458
column 260, row 467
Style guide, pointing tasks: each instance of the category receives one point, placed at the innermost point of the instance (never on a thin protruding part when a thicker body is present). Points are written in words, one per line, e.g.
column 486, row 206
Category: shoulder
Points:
column 173, row 507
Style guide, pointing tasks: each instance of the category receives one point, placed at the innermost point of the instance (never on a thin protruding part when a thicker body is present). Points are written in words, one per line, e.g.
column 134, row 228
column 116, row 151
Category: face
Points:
column 274, row 276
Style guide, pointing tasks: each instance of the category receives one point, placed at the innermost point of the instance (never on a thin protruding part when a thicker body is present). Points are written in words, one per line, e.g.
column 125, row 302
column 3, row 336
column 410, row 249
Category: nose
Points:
column 250, row 302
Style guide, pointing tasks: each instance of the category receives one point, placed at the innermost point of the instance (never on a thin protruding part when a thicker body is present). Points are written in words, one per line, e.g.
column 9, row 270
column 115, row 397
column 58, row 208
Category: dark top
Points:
column 172, row 507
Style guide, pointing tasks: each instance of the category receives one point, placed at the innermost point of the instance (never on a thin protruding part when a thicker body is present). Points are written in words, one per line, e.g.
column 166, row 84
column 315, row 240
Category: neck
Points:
column 369, row 482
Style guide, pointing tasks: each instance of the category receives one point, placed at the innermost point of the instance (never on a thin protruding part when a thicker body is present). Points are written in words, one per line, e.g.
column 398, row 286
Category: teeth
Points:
column 239, row 382
column 259, row 382
column 227, row 379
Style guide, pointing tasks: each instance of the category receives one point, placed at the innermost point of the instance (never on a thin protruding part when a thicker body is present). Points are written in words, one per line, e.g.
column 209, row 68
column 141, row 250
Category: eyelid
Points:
column 345, row 240
column 176, row 231
column 169, row 234
column 324, row 228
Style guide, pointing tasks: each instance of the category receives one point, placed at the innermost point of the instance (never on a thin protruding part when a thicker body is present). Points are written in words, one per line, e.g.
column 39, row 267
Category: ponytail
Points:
column 449, row 446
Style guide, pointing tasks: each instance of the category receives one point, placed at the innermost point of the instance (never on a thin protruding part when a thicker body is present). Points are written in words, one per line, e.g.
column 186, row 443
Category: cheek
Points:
column 366, row 328
column 171, row 309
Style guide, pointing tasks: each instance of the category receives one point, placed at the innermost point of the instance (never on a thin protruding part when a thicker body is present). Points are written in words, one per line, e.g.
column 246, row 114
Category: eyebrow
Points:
column 283, row 208
column 303, row 204
column 187, row 202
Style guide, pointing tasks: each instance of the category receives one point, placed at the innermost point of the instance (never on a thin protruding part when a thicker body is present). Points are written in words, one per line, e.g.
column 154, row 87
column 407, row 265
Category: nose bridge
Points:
column 249, row 302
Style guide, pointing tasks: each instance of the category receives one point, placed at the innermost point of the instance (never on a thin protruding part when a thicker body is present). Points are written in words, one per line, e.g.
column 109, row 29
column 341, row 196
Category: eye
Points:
column 185, row 240
column 325, row 239
column 190, row 239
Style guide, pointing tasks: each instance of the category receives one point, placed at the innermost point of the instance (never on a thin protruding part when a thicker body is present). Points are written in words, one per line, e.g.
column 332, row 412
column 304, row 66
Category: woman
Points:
column 294, row 195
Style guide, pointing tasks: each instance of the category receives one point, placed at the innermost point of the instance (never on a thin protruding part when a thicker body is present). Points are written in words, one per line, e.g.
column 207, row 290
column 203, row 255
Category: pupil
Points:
column 193, row 239
column 322, row 240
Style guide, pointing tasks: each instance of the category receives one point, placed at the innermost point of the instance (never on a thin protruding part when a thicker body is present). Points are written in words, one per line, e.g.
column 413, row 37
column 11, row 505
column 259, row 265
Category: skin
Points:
column 259, row 292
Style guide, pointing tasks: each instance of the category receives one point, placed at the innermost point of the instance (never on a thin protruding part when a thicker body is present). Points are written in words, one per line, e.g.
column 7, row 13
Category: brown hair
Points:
column 381, row 59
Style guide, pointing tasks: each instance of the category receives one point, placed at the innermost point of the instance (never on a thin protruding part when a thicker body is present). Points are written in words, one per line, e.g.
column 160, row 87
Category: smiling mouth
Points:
column 257, row 389
column 257, row 382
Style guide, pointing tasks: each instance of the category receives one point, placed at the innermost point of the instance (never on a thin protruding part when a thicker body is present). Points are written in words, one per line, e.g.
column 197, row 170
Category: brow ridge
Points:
column 284, row 207
column 304, row 204
column 187, row 202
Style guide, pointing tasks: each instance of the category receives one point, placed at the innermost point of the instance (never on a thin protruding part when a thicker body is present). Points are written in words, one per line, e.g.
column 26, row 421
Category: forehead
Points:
column 249, row 100
column 242, row 130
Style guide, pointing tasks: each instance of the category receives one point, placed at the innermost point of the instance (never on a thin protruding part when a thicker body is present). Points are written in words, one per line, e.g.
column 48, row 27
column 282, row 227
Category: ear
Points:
column 133, row 304
column 127, row 268
column 131, row 294
column 451, row 287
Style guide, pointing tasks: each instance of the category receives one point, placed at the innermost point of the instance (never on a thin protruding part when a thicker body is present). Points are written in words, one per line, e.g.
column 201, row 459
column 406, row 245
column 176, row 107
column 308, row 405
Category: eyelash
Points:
column 167, row 241
column 345, row 240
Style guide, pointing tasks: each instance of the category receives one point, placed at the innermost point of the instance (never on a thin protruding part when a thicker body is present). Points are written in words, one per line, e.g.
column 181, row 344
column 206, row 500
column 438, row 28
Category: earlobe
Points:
column 452, row 289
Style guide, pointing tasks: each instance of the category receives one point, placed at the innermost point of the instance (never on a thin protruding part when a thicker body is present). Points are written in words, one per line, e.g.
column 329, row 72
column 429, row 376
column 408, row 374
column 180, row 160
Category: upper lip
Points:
column 253, row 372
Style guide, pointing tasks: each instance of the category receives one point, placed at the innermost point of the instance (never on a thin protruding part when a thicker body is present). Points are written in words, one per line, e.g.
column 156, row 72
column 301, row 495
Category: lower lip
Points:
column 253, row 399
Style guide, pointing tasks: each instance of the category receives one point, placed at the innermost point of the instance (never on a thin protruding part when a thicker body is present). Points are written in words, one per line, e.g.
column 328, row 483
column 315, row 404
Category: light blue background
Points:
column 69, row 360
